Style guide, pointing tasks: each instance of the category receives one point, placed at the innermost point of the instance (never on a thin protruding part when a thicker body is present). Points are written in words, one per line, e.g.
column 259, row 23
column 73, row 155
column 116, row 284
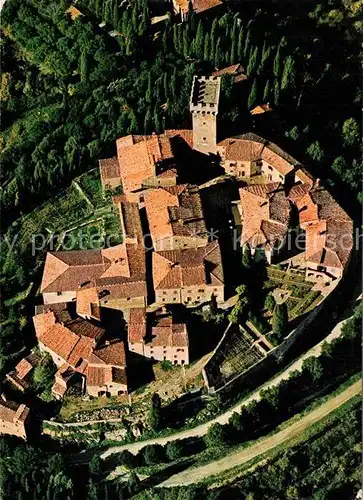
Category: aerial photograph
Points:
column 181, row 249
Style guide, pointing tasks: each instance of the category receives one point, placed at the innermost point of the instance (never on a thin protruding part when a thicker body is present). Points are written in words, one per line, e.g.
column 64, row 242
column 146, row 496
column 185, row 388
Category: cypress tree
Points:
column 148, row 122
column 267, row 91
column 289, row 74
column 165, row 42
column 240, row 45
column 218, row 57
column 266, row 54
column 233, row 54
column 157, row 121
column 247, row 45
column 206, row 47
column 213, row 39
column 148, row 93
column 253, row 96
column 277, row 92
column 253, row 61
column 278, row 62
column 115, row 15
column 175, row 38
column 186, row 43
column 280, row 320
column 133, row 127
column 199, row 41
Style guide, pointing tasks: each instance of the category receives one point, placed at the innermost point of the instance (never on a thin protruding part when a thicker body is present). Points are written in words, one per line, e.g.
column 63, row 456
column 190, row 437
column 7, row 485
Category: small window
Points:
column 204, row 138
column 281, row 177
column 270, row 168
column 242, row 173
column 59, row 293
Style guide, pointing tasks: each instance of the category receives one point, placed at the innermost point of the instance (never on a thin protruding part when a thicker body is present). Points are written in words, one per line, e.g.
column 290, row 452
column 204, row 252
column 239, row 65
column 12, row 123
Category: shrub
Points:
column 174, row 450
column 270, row 302
column 153, row 454
column 216, row 436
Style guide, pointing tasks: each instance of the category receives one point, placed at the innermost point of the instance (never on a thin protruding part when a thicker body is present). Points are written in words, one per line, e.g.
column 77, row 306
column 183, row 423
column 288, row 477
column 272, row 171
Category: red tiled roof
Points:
column 175, row 211
column 136, row 327
column 282, row 165
column 190, row 266
column 138, row 158
column 265, row 212
column 109, row 169
column 185, row 134
column 99, row 376
column 241, row 149
column 258, row 110
column 110, row 354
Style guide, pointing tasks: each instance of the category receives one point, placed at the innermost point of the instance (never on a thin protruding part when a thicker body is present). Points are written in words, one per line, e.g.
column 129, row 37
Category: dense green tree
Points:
column 288, row 81
column 199, row 41
column 218, row 58
column 247, row 45
column 148, row 122
column 316, row 152
column 313, row 367
column 206, row 47
column 351, row 132
column 216, row 436
column 253, row 95
column 213, row 39
column 240, row 44
column 280, row 320
column 253, row 61
column 153, row 454
column 267, row 93
column 43, row 375
column 270, row 302
column 277, row 92
column 133, row 483
column 278, row 66
column 174, row 450
column 154, row 417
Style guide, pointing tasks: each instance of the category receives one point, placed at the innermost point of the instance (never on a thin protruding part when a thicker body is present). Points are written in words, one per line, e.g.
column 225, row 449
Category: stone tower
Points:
column 204, row 101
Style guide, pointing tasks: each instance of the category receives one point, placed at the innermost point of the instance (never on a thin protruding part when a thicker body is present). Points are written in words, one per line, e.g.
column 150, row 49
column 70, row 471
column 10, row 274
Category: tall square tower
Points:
column 204, row 102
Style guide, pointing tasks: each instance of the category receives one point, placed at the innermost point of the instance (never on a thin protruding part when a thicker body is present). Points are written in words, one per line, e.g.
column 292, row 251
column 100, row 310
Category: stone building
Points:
column 14, row 418
column 81, row 351
column 175, row 217
column 158, row 336
column 204, row 101
column 265, row 217
column 189, row 276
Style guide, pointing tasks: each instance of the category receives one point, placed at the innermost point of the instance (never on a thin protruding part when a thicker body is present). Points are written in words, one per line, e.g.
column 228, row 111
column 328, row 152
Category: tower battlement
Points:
column 204, row 96
column 204, row 100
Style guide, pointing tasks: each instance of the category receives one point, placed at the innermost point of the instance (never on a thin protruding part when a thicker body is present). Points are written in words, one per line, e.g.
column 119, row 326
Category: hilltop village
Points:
column 171, row 258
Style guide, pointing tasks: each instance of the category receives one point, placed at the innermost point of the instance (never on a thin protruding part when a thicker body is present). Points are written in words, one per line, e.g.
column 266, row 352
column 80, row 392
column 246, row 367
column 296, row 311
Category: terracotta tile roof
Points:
column 234, row 69
column 109, row 169
column 110, row 354
column 12, row 412
column 73, row 270
column 282, row 165
column 241, row 149
column 87, row 302
column 99, row 376
column 139, row 157
column 329, row 229
column 203, row 5
column 136, row 327
column 263, row 108
column 265, row 212
column 81, row 352
column 184, row 134
column 59, row 389
column 191, row 266
column 129, row 217
column 23, row 368
column 60, row 340
column 175, row 211
column 304, row 176
column 43, row 322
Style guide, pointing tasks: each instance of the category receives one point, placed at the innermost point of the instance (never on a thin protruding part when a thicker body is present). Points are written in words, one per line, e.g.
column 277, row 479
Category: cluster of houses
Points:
column 167, row 257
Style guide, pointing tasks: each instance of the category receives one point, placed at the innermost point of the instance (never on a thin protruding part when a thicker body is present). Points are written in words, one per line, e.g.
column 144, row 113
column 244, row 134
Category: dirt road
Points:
column 201, row 430
column 197, row 474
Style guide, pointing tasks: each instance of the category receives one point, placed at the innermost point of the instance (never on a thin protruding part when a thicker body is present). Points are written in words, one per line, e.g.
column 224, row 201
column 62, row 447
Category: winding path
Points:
column 202, row 429
column 197, row 474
